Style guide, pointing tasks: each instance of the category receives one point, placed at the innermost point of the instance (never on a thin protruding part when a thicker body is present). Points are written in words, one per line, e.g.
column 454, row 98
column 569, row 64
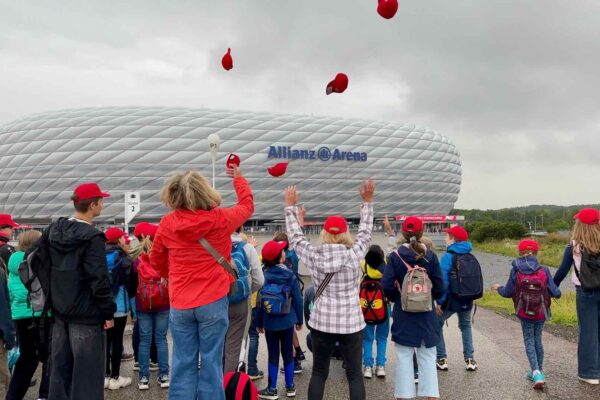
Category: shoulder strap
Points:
column 322, row 286
column 408, row 267
column 219, row 258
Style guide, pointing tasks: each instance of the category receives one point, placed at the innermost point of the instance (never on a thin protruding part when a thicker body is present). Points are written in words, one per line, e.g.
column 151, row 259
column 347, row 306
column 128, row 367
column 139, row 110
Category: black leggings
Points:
column 114, row 347
column 351, row 347
column 31, row 355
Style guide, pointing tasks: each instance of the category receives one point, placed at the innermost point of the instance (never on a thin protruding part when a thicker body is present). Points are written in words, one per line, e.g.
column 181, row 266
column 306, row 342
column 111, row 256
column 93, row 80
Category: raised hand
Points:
column 234, row 172
column 291, row 196
column 252, row 241
column 367, row 190
column 388, row 226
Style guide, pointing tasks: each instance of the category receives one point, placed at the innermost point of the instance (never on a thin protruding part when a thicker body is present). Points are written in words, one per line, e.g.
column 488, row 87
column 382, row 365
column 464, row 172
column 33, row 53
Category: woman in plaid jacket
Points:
column 335, row 271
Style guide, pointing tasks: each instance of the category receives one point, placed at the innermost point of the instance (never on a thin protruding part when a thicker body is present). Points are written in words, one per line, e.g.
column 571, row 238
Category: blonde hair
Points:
column 342, row 238
column 146, row 244
column 189, row 191
column 587, row 236
column 428, row 242
column 526, row 253
column 415, row 243
column 27, row 238
column 244, row 237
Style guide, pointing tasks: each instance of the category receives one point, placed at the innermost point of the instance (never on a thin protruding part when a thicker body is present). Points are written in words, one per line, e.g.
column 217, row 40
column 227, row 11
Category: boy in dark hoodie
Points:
column 529, row 281
column 280, row 283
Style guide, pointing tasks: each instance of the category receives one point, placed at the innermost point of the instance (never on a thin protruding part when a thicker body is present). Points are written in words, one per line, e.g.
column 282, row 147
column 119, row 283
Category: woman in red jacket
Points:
column 198, row 284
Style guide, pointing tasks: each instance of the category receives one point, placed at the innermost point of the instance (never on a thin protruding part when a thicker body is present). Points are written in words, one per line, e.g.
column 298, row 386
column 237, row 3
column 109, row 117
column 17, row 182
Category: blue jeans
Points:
column 253, row 345
column 153, row 324
column 588, row 349
column 405, row 373
column 464, row 323
column 532, row 335
column 379, row 333
column 199, row 330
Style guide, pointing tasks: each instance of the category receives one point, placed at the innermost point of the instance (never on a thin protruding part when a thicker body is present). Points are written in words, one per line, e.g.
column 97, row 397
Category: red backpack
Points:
column 152, row 295
column 239, row 386
column 373, row 302
column 532, row 300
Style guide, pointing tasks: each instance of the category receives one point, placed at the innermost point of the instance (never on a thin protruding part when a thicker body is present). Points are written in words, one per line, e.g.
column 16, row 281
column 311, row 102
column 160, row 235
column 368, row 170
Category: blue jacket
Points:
column 446, row 264
column 527, row 265
column 292, row 260
column 413, row 329
column 281, row 274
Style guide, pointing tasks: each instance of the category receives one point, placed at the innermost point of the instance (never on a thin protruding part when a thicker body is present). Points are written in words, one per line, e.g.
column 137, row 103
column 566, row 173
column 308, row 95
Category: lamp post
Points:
column 214, row 141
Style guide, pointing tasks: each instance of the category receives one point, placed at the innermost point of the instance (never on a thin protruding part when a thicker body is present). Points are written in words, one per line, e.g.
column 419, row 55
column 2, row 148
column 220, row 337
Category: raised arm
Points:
column 363, row 238
column 298, row 241
column 236, row 216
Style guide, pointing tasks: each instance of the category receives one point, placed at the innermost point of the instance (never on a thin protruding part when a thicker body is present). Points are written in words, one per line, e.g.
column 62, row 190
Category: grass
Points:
column 563, row 310
column 551, row 252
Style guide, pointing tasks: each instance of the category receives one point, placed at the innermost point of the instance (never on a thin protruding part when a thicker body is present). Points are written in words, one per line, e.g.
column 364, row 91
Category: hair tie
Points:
column 413, row 239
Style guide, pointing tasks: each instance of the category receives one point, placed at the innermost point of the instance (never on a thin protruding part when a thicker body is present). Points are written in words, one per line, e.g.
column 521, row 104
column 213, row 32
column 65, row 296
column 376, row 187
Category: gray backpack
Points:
column 415, row 295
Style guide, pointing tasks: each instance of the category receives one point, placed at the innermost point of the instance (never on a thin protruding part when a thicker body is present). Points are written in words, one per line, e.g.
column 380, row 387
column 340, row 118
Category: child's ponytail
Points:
column 414, row 240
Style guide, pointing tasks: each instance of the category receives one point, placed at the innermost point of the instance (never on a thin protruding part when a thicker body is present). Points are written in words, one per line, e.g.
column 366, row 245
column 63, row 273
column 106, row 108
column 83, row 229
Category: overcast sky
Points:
column 513, row 83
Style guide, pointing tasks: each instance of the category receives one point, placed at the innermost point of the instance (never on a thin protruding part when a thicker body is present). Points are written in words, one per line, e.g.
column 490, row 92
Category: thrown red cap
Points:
column 145, row 229
column 232, row 159
column 113, row 234
column 227, row 60
column 88, row 191
column 335, row 225
column 588, row 216
column 459, row 233
column 6, row 220
column 338, row 85
column 272, row 250
column 278, row 169
column 412, row 225
column 387, row 8
column 529, row 245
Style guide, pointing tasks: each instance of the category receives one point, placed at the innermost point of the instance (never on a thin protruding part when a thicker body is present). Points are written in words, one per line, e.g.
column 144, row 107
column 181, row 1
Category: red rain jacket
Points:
column 195, row 277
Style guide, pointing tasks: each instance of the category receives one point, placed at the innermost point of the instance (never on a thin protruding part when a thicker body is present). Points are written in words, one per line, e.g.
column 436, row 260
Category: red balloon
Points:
column 387, row 8
column 232, row 159
column 338, row 85
column 278, row 169
column 227, row 61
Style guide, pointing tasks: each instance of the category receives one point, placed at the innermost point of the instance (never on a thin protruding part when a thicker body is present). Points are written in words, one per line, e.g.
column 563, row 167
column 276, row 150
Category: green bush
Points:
column 491, row 230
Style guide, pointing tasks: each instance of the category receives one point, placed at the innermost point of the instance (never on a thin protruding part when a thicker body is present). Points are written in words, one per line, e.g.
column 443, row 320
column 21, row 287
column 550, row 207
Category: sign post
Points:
column 214, row 142
column 133, row 205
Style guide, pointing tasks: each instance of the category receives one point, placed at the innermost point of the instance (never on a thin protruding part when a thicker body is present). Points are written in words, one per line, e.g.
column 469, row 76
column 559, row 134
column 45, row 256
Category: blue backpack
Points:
column 276, row 299
column 114, row 261
column 466, row 280
column 238, row 256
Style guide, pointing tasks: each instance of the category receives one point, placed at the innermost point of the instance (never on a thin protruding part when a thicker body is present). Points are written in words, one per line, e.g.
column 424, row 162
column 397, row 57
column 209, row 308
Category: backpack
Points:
column 239, row 386
column 238, row 256
column 531, row 299
column 466, row 279
column 152, row 295
column 589, row 271
column 415, row 295
column 373, row 303
column 34, row 272
column 276, row 299
column 114, row 261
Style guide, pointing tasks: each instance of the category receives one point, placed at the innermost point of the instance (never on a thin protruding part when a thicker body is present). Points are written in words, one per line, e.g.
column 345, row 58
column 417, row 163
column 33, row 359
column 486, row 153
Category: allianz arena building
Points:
column 44, row 156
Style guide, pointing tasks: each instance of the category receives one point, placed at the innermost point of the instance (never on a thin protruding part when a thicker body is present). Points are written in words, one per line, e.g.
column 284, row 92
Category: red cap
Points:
column 338, row 85
column 6, row 220
column 145, row 229
column 272, row 250
column 529, row 245
column 88, row 191
column 588, row 216
column 387, row 8
column 232, row 159
column 460, row 234
column 412, row 225
column 113, row 234
column 278, row 169
column 335, row 225
column 227, row 61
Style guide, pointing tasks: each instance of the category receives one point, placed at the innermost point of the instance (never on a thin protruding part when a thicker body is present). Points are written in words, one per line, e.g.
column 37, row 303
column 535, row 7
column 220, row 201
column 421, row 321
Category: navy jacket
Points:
column 7, row 333
column 527, row 265
column 281, row 274
column 413, row 329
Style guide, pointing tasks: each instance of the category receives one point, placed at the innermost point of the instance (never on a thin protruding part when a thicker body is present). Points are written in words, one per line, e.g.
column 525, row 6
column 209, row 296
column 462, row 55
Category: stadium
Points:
column 44, row 156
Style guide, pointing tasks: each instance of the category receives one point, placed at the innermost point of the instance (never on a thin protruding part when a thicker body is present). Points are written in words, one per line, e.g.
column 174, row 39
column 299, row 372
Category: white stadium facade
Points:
column 44, row 156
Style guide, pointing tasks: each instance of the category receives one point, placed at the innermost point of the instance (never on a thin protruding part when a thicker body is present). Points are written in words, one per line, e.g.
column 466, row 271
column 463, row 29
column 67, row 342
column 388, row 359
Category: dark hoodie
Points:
column 79, row 284
column 413, row 329
column 280, row 274
column 527, row 265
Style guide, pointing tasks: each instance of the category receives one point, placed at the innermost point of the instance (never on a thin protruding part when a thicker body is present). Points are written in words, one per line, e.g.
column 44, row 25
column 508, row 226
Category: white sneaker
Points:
column 144, row 383
column 121, row 382
column 590, row 381
column 368, row 372
column 106, row 382
column 380, row 371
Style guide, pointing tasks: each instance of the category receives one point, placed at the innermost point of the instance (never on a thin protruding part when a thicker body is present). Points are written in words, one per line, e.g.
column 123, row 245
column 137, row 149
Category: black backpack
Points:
column 34, row 272
column 589, row 271
column 466, row 279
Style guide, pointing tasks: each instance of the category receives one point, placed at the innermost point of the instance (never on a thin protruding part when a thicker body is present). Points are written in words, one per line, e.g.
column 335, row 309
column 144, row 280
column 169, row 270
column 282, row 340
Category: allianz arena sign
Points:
column 323, row 153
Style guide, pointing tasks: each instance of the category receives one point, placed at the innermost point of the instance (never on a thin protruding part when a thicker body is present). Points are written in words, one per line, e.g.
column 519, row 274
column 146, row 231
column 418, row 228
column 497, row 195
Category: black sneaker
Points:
column 300, row 355
column 268, row 393
column 297, row 369
column 471, row 365
column 257, row 375
column 290, row 391
column 442, row 364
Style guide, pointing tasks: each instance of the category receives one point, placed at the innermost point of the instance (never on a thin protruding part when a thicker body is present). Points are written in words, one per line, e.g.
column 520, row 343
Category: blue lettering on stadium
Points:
column 323, row 154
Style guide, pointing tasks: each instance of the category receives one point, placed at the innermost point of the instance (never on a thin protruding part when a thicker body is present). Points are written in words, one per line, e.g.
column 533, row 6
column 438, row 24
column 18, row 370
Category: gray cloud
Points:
column 513, row 83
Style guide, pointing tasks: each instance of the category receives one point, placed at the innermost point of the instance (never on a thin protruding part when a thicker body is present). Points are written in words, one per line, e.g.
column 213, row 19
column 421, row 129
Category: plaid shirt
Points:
column 338, row 308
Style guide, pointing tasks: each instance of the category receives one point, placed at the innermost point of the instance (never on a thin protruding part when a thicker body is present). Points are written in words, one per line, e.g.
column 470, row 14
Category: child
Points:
column 373, row 268
column 530, row 281
column 280, row 311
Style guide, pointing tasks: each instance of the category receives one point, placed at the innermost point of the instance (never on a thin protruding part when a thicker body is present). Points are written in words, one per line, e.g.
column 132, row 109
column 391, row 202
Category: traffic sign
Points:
column 133, row 205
